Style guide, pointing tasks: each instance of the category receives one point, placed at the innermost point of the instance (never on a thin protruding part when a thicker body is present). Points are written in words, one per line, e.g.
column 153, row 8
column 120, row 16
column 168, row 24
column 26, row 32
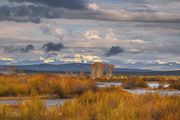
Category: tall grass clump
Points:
column 33, row 109
column 116, row 104
column 134, row 82
column 104, row 104
column 175, row 84
column 44, row 85
column 122, row 78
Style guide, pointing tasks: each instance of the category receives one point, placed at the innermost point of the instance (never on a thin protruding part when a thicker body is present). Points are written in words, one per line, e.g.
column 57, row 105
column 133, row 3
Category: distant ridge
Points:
column 76, row 67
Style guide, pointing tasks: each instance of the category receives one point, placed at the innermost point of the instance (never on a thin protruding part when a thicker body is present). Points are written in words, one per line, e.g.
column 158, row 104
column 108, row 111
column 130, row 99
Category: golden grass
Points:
column 134, row 83
column 115, row 104
column 141, row 81
column 121, row 78
column 175, row 84
column 44, row 84
column 105, row 104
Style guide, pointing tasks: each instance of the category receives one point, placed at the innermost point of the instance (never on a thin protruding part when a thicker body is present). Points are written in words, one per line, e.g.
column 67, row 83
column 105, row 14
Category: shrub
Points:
column 175, row 84
column 134, row 83
column 34, row 109
column 116, row 104
column 44, row 84
column 105, row 104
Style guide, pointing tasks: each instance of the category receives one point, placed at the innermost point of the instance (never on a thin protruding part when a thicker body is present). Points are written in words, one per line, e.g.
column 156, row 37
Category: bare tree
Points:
column 93, row 71
column 109, row 70
column 98, row 70
column 81, row 74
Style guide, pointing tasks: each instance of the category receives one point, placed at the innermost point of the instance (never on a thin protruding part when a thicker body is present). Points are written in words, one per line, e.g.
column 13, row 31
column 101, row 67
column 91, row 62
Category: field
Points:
column 105, row 104
column 89, row 102
column 45, row 85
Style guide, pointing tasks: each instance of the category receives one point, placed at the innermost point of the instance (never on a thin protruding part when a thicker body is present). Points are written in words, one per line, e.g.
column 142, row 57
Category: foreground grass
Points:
column 44, row 85
column 106, row 104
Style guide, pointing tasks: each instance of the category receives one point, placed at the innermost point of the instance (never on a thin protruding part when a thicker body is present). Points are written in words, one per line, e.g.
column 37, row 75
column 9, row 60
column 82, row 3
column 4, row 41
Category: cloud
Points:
column 114, row 51
column 59, row 32
column 13, row 49
column 25, row 13
column 35, row 10
column 70, row 4
column 53, row 47
column 52, row 30
column 93, row 6
column 128, row 16
column 135, row 51
column 92, row 34
column 170, row 48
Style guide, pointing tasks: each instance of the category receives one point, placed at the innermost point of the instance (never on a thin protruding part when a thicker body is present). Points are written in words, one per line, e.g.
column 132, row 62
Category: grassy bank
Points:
column 106, row 104
column 134, row 83
column 130, row 82
column 175, row 84
column 46, row 85
column 62, row 86
column 119, row 78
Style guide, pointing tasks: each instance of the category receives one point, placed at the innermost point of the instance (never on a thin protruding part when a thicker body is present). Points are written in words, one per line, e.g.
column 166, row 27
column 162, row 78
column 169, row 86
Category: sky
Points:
column 139, row 34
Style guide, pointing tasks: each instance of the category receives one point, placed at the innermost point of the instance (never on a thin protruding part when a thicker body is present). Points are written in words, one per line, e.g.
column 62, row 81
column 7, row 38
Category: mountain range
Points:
column 75, row 63
column 77, row 67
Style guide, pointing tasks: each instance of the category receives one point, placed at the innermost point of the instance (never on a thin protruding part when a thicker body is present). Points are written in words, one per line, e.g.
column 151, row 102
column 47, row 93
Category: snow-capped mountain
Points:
column 6, row 60
column 55, row 59
column 77, row 58
column 155, row 65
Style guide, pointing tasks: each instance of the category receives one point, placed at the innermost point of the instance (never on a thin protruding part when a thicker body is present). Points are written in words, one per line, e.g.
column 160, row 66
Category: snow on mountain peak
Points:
column 161, row 62
column 77, row 58
column 6, row 58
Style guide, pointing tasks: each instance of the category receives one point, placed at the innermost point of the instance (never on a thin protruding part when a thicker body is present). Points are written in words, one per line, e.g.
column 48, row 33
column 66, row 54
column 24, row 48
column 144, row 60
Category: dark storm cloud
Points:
column 27, row 13
column 53, row 47
column 70, row 4
column 12, row 49
column 114, row 51
column 35, row 10
column 38, row 9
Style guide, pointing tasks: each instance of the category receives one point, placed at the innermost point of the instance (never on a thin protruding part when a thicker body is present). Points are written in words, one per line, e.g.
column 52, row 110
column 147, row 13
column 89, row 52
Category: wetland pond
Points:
column 59, row 102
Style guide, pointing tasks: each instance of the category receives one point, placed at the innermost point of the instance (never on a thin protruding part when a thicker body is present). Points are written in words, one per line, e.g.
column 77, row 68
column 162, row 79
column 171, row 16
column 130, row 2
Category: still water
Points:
column 141, row 91
column 59, row 102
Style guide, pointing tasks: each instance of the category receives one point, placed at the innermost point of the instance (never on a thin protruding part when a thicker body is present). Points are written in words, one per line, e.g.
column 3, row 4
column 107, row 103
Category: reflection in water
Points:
column 59, row 102
column 108, row 84
column 156, row 85
column 141, row 91
column 162, row 92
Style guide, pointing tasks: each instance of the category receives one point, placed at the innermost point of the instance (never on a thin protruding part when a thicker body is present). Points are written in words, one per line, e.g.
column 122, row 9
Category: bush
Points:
column 105, row 104
column 44, row 84
column 175, row 84
column 116, row 104
column 134, row 83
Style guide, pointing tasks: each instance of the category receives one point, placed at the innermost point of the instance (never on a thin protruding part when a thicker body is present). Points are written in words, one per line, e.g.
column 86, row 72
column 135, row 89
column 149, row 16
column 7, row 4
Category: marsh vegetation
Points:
column 99, row 96
column 104, row 104
column 47, row 85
